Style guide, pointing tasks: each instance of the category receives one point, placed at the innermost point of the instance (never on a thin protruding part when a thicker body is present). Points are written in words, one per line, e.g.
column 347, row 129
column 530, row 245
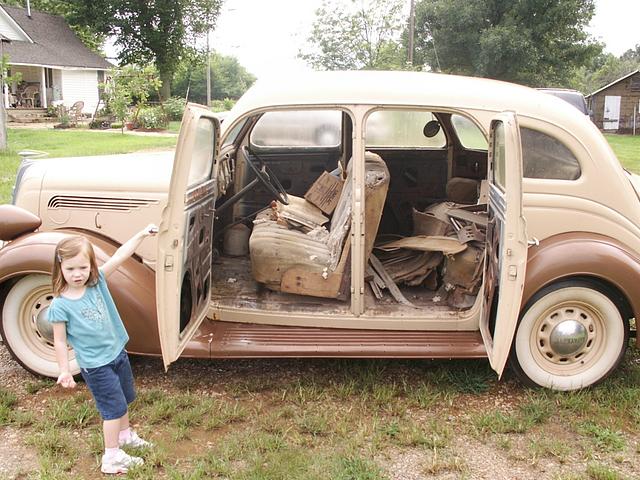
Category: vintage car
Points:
column 351, row 214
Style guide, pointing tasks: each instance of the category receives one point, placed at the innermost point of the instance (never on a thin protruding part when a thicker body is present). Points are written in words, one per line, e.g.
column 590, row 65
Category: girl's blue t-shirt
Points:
column 94, row 328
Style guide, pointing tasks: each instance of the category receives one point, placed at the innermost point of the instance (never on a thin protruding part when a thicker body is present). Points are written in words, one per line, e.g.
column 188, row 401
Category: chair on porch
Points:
column 28, row 95
column 75, row 112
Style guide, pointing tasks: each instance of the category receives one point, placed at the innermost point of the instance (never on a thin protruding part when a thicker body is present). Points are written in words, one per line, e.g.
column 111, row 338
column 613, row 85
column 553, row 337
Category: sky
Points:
column 266, row 36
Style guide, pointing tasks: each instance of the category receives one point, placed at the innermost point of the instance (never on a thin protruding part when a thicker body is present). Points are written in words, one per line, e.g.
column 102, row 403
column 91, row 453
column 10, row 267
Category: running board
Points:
column 242, row 340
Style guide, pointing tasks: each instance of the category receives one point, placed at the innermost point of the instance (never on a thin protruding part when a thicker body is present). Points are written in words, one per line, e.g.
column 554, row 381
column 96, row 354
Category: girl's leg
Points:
column 111, row 430
column 124, row 421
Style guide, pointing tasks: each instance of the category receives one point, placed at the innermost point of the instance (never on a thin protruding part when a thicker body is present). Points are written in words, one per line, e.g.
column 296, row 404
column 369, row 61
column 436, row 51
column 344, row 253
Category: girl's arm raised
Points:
column 127, row 249
column 60, row 345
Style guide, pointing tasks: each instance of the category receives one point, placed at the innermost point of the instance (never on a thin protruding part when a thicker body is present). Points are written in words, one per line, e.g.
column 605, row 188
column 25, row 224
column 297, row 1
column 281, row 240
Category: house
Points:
column 616, row 107
column 54, row 65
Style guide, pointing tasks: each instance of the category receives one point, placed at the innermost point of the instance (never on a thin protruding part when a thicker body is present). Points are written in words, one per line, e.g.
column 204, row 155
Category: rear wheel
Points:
column 570, row 336
column 25, row 329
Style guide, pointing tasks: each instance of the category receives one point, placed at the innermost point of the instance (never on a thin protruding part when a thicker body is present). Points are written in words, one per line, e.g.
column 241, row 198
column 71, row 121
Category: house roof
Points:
column 614, row 82
column 54, row 43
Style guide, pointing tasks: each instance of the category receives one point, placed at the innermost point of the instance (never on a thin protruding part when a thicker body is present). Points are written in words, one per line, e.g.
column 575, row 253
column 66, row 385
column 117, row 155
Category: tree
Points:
column 229, row 79
column 364, row 34
column 534, row 42
column 157, row 31
column 127, row 85
column 605, row 69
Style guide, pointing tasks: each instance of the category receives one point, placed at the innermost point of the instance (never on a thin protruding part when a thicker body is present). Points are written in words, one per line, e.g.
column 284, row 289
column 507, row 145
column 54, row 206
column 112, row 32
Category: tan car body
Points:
column 583, row 228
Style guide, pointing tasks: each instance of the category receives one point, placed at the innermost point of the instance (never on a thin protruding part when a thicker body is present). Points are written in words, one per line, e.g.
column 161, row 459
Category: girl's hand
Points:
column 66, row 380
column 150, row 230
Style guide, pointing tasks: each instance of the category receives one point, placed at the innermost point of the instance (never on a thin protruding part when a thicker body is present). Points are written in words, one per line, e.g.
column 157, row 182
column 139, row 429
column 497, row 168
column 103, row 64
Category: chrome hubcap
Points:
column 44, row 328
column 568, row 337
column 566, row 334
column 41, row 328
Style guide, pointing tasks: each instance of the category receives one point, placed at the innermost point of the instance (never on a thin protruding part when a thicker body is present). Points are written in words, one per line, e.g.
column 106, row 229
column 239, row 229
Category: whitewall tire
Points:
column 25, row 330
column 571, row 336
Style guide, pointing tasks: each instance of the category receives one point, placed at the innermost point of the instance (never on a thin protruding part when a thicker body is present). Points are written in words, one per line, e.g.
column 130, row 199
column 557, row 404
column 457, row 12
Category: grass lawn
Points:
column 69, row 143
column 627, row 148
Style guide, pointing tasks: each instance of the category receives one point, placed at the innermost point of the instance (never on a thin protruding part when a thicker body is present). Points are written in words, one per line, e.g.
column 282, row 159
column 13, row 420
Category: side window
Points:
column 499, row 156
column 402, row 129
column 544, row 156
column 202, row 160
column 470, row 136
column 298, row 129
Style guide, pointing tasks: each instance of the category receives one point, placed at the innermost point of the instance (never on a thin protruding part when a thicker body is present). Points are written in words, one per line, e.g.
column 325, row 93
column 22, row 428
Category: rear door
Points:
column 506, row 251
column 183, row 271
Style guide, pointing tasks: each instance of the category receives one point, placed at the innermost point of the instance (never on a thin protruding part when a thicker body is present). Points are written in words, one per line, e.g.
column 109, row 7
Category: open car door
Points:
column 506, row 251
column 183, row 268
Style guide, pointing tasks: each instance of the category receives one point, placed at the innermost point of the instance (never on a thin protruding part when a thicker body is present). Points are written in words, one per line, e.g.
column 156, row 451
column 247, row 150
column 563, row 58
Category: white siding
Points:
column 80, row 85
column 9, row 29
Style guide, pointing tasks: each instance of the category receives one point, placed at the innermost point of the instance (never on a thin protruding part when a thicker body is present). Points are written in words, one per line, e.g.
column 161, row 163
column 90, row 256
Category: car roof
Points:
column 398, row 88
column 573, row 97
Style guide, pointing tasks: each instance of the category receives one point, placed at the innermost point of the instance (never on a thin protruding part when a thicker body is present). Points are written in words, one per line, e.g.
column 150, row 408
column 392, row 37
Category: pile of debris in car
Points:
column 445, row 253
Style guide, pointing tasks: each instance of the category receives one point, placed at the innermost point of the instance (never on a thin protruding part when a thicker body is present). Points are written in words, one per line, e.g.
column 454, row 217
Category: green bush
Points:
column 222, row 105
column 151, row 117
column 174, row 108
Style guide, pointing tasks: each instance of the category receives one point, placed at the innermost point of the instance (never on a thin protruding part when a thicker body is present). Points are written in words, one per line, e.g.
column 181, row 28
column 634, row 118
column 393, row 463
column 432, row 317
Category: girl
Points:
column 84, row 313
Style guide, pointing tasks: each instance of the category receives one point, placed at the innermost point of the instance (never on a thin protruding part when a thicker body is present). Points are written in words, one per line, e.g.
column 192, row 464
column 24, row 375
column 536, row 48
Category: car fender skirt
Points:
column 584, row 254
column 16, row 221
column 132, row 285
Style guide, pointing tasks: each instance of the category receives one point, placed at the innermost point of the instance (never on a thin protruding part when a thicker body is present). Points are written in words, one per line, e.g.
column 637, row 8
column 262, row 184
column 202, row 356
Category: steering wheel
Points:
column 267, row 178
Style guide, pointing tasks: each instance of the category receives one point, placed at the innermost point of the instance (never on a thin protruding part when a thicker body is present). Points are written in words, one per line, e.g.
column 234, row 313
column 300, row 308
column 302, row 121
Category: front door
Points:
column 183, row 269
column 506, row 251
column 611, row 119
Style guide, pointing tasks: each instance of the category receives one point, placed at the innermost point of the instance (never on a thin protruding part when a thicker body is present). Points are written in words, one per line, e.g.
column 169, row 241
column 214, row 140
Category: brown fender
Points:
column 583, row 254
column 132, row 285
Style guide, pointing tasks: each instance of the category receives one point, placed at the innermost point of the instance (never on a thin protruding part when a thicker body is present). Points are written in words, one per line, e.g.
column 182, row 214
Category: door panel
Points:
column 506, row 247
column 183, row 271
column 611, row 119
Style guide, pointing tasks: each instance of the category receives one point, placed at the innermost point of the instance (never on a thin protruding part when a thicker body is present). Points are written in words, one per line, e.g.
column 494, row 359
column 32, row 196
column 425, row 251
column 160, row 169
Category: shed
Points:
column 54, row 65
column 616, row 107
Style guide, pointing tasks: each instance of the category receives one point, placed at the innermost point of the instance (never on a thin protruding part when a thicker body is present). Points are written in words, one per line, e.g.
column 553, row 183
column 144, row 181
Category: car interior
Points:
column 284, row 212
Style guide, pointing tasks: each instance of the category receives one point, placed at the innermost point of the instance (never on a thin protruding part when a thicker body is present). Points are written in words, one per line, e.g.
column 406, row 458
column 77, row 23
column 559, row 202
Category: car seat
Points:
column 315, row 263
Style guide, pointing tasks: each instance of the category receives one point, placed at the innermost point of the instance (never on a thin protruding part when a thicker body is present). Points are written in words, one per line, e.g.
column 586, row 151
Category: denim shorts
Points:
column 111, row 386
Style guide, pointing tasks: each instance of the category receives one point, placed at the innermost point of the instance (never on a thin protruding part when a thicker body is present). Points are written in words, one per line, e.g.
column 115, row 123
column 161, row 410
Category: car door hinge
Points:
column 513, row 272
column 168, row 263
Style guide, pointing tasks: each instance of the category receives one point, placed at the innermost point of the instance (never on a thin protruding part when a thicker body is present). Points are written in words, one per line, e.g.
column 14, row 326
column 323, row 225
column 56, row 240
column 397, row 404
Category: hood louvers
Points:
column 98, row 203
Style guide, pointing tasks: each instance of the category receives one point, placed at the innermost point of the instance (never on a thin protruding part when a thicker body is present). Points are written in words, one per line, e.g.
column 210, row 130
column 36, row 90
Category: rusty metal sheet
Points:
column 446, row 245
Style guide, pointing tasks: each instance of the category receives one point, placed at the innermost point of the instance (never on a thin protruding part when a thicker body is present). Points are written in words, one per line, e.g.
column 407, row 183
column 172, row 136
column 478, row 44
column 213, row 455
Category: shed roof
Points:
column 614, row 82
column 54, row 43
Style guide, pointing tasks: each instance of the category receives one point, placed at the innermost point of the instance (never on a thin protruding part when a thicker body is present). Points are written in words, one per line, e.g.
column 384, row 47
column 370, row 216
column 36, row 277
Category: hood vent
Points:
column 98, row 203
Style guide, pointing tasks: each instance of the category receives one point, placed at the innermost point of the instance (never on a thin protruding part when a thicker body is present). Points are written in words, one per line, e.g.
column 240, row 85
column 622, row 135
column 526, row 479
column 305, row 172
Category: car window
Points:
column 400, row 129
column 544, row 156
column 203, row 150
column 233, row 134
column 470, row 136
column 499, row 156
column 298, row 128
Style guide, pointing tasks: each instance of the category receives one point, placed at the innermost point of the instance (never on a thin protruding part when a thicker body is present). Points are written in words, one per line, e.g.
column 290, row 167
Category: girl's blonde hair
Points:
column 68, row 248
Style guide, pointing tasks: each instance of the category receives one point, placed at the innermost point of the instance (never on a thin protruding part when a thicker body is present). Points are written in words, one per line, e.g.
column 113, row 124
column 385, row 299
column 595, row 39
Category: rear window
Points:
column 298, row 129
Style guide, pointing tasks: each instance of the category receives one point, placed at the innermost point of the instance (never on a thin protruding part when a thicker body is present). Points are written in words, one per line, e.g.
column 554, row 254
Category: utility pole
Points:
column 412, row 28
column 208, row 72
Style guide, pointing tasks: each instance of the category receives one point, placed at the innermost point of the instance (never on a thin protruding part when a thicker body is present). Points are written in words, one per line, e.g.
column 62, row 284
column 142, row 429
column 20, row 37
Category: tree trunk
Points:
column 165, row 89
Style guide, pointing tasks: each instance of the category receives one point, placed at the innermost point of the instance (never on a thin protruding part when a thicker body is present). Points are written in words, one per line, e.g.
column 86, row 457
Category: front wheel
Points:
column 25, row 329
column 571, row 335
